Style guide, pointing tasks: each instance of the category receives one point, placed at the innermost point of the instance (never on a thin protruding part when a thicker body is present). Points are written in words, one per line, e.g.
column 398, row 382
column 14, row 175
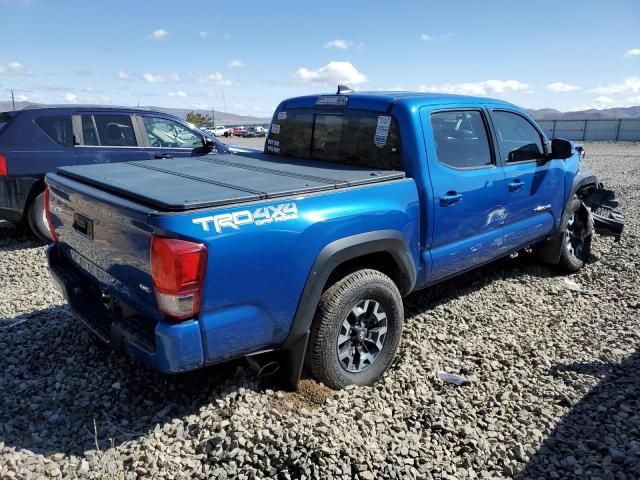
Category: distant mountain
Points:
column 221, row 118
column 592, row 114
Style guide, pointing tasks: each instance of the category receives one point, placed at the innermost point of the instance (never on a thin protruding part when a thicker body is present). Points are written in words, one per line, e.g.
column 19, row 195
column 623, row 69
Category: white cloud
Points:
column 425, row 37
column 14, row 68
column 560, row 87
column 21, row 98
column 338, row 43
column 203, row 34
column 151, row 78
column 603, row 102
column 633, row 100
column 478, row 88
column 629, row 85
column 71, row 97
column 122, row 75
column 236, row 64
column 216, row 78
column 159, row 34
column 332, row 73
column 178, row 93
column 634, row 52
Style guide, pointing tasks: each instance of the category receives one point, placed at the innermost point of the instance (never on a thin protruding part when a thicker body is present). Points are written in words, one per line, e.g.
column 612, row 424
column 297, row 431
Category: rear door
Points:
column 167, row 138
column 535, row 185
column 469, row 190
column 107, row 137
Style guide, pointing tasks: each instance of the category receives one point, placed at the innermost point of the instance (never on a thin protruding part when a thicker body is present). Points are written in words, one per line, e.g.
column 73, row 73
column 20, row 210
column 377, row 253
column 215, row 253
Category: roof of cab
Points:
column 383, row 100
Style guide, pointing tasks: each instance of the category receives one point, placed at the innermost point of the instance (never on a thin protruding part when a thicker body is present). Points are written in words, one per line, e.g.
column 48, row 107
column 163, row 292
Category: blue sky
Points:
column 248, row 55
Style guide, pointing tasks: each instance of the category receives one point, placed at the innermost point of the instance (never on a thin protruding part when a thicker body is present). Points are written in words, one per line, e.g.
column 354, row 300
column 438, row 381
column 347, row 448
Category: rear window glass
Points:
column 115, row 130
column 58, row 128
column 353, row 137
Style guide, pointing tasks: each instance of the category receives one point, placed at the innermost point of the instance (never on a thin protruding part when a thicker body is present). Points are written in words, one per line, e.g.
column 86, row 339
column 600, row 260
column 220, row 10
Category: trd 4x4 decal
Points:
column 259, row 216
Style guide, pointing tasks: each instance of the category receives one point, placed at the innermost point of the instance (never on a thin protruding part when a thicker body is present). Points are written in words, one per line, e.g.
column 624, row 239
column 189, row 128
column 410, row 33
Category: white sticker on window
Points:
column 382, row 131
column 282, row 115
column 275, row 128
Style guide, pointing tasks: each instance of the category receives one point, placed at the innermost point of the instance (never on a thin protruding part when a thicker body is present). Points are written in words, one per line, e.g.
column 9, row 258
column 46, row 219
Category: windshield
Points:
column 352, row 137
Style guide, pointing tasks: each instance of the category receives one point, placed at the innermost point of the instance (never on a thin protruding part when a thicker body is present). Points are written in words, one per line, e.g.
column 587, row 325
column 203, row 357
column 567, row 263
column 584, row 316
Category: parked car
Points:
column 220, row 131
column 37, row 140
column 254, row 132
column 303, row 253
column 238, row 131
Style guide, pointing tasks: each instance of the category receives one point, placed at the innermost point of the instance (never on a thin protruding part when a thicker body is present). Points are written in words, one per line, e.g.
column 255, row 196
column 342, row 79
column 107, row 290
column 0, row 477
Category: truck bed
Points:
column 216, row 180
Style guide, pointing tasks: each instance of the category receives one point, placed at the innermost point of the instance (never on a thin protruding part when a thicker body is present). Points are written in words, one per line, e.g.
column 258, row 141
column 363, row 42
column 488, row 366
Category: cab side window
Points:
column 461, row 139
column 519, row 140
column 115, row 130
column 166, row 133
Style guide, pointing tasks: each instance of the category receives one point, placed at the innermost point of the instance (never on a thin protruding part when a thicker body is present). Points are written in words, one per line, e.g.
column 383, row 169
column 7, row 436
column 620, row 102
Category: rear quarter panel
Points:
column 256, row 274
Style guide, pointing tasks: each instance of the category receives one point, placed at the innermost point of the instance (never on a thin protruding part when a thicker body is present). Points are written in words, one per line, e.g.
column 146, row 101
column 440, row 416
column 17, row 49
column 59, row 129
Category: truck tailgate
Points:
column 216, row 180
column 108, row 239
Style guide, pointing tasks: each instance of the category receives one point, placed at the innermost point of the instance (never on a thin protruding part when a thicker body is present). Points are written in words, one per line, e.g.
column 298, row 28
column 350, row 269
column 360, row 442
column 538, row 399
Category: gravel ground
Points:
column 555, row 394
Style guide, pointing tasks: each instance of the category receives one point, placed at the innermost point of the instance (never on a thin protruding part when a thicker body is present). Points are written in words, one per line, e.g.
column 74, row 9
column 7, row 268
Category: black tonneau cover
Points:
column 215, row 180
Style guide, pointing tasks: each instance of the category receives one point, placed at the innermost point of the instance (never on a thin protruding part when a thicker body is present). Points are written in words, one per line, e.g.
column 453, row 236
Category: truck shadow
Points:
column 600, row 437
column 17, row 237
column 474, row 280
column 62, row 392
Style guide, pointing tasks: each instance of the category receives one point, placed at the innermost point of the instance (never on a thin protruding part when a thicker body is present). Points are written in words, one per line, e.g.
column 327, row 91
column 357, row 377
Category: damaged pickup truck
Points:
column 301, row 254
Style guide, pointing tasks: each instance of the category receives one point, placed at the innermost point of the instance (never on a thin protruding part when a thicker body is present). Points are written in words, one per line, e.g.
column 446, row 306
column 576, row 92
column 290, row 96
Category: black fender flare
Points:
column 549, row 251
column 331, row 257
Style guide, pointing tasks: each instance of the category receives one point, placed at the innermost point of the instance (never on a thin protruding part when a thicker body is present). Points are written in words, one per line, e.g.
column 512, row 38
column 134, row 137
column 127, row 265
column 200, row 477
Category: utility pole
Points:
column 213, row 115
column 13, row 100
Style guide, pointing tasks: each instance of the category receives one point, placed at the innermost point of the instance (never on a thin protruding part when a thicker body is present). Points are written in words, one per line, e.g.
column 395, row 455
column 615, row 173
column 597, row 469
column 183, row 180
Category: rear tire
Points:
column 356, row 330
column 37, row 218
column 576, row 244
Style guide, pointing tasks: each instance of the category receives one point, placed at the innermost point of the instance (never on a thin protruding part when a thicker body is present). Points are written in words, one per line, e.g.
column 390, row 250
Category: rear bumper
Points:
column 161, row 345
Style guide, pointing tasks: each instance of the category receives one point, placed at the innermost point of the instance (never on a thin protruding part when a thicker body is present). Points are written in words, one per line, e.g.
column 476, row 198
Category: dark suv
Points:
column 39, row 139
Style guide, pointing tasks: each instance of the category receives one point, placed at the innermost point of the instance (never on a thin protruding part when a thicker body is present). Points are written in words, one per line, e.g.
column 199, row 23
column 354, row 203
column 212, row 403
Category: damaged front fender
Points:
column 603, row 208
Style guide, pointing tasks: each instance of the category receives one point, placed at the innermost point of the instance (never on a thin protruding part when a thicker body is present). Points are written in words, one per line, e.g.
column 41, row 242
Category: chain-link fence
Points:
column 611, row 129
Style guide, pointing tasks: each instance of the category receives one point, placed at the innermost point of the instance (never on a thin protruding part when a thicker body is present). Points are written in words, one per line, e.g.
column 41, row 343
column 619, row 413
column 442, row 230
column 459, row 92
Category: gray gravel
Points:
column 555, row 393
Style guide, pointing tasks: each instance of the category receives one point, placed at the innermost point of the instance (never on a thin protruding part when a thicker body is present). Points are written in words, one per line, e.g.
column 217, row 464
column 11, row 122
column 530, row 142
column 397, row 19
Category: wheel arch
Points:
column 383, row 250
column 36, row 189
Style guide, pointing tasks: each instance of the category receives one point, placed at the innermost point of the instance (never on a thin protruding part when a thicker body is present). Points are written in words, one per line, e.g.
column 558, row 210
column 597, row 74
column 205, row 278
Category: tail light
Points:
column 47, row 212
column 177, row 269
column 3, row 166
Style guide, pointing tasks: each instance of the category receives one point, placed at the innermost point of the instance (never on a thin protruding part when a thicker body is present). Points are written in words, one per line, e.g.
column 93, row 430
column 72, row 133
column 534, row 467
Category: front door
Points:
column 469, row 192
column 535, row 185
column 170, row 139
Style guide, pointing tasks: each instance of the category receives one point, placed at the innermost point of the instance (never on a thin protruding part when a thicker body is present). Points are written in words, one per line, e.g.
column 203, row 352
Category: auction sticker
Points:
column 275, row 128
column 382, row 131
column 282, row 115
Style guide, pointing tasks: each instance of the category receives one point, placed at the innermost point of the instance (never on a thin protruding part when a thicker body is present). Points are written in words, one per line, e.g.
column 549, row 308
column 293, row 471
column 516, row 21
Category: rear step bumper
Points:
column 603, row 205
column 163, row 346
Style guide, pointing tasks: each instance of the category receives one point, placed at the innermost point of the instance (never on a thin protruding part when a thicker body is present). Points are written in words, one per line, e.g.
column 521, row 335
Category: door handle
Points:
column 516, row 185
column 450, row 198
column 163, row 155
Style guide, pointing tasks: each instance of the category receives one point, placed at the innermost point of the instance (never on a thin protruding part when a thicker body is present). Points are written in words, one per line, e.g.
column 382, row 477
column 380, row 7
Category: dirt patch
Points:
column 310, row 394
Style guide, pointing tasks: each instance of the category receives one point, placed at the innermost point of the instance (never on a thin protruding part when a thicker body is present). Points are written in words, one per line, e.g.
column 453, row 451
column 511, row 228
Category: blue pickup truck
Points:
column 300, row 255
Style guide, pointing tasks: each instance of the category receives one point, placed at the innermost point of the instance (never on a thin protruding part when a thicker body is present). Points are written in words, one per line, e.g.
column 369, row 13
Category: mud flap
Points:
column 603, row 207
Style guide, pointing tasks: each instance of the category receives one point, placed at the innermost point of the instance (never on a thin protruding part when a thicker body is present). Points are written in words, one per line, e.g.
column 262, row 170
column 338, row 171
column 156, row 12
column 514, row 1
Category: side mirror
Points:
column 207, row 144
column 561, row 148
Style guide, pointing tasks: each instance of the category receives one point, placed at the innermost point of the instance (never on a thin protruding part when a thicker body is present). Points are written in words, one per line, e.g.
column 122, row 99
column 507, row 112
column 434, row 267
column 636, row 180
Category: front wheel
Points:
column 356, row 330
column 576, row 244
column 37, row 218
